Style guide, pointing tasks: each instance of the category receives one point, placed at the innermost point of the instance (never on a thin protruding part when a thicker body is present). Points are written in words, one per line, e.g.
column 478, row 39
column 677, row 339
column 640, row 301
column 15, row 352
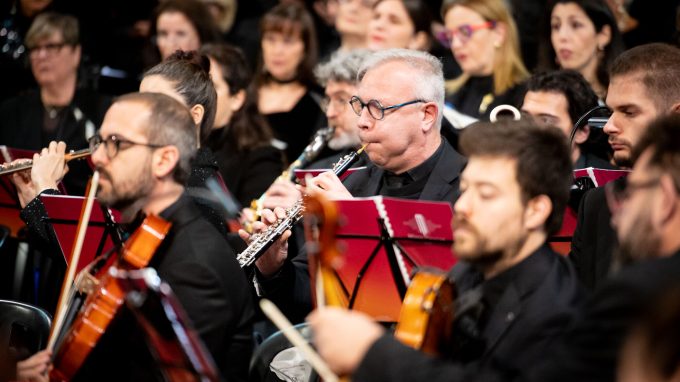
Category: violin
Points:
column 102, row 304
column 427, row 313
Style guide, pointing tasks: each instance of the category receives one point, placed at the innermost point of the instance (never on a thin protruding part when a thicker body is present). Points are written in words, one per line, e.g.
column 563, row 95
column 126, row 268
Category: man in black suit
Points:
column 646, row 215
column 143, row 154
column 399, row 101
column 514, row 191
column 559, row 98
column 644, row 84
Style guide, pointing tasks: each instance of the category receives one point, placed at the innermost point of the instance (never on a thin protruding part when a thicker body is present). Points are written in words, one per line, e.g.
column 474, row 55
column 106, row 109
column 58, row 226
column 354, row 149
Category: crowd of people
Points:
column 174, row 97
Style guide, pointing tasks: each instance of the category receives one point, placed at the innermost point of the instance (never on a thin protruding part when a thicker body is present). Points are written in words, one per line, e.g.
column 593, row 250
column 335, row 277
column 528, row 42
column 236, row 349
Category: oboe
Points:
column 310, row 153
column 261, row 241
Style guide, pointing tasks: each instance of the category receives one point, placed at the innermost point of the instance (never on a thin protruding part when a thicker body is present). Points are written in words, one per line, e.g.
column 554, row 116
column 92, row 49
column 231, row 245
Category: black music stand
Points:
column 169, row 335
column 383, row 240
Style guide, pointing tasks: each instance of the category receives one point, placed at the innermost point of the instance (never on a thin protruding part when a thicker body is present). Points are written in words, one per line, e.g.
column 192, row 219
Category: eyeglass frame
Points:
column 382, row 108
column 93, row 145
column 617, row 193
column 51, row 48
column 446, row 37
column 339, row 102
column 366, row 3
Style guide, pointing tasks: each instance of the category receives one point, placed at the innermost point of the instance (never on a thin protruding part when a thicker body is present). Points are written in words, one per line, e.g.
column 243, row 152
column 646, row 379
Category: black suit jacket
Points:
column 290, row 288
column 442, row 184
column 201, row 268
column 589, row 351
column 533, row 310
column 594, row 239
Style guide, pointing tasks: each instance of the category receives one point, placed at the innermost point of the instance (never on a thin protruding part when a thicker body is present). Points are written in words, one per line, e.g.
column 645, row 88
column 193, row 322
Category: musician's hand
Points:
column 282, row 193
column 35, row 368
column 343, row 337
column 22, row 181
column 49, row 167
column 328, row 185
column 273, row 259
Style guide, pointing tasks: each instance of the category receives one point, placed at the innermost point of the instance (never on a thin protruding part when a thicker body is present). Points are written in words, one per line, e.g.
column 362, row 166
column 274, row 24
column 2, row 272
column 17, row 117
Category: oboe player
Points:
column 399, row 102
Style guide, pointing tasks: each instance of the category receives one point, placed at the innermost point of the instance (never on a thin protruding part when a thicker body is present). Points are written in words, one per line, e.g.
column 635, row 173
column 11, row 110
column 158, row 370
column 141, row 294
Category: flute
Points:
column 9, row 168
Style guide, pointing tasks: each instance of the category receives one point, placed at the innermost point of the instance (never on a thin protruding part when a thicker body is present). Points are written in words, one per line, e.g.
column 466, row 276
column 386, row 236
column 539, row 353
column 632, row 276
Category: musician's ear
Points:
column 537, row 211
column 430, row 112
column 197, row 112
column 164, row 161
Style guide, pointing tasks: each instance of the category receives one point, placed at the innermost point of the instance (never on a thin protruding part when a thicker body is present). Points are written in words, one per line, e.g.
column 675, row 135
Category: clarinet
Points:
column 260, row 242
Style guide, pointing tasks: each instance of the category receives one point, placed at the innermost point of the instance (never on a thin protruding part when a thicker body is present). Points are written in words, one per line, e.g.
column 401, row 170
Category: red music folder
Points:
column 9, row 202
column 561, row 242
column 383, row 240
column 63, row 213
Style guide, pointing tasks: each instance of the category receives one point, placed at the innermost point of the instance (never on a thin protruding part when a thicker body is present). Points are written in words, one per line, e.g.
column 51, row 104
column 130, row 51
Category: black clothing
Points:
column 22, row 120
column 247, row 173
column 539, row 300
column 591, row 160
column 201, row 268
column 594, row 239
column 589, row 351
column 476, row 99
column 290, row 288
column 296, row 127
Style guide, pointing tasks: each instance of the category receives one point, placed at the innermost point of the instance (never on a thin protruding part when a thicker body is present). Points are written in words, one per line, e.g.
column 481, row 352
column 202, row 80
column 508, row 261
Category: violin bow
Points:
column 62, row 306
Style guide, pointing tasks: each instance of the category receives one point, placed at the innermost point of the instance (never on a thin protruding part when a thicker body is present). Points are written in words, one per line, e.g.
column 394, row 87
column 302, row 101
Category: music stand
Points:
column 177, row 348
column 383, row 240
column 9, row 202
column 561, row 241
column 63, row 214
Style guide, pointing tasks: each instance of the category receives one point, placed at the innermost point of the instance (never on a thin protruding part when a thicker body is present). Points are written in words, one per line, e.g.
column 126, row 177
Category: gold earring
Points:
column 497, row 44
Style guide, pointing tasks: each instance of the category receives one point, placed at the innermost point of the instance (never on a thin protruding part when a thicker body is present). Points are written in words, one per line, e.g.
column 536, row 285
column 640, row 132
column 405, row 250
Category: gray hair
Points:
column 342, row 67
column 428, row 85
column 170, row 124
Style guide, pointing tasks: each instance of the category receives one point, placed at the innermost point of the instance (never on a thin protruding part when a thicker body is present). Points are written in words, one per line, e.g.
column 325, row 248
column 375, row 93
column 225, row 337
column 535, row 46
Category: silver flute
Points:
column 261, row 241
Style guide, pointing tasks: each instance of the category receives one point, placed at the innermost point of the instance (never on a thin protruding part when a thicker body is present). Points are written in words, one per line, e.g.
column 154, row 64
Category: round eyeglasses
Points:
column 112, row 144
column 375, row 108
column 463, row 33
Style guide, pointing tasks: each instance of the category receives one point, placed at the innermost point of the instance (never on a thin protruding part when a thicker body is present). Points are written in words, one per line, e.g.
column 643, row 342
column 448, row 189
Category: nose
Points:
column 365, row 121
column 462, row 205
column 610, row 127
column 99, row 157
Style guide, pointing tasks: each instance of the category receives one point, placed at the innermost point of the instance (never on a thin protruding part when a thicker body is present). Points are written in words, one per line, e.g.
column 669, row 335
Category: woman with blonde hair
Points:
column 483, row 39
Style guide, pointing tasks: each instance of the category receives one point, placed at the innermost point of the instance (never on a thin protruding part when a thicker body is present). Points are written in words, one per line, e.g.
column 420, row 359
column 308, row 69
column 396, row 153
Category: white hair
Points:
column 428, row 85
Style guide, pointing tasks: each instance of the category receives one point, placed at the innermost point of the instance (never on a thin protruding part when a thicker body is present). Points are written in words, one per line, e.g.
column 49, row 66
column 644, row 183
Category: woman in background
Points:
column 400, row 24
column 483, row 38
column 287, row 92
column 181, row 25
column 583, row 37
column 240, row 138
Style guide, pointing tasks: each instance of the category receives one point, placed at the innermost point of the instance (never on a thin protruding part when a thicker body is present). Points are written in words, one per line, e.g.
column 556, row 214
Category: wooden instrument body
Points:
column 427, row 312
column 103, row 303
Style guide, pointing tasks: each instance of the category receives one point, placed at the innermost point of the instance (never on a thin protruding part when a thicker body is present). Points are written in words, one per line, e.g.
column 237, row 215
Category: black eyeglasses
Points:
column 620, row 190
column 50, row 49
column 375, row 108
column 113, row 144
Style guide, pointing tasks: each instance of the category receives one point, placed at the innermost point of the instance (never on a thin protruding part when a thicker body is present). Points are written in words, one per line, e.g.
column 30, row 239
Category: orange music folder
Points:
column 382, row 241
